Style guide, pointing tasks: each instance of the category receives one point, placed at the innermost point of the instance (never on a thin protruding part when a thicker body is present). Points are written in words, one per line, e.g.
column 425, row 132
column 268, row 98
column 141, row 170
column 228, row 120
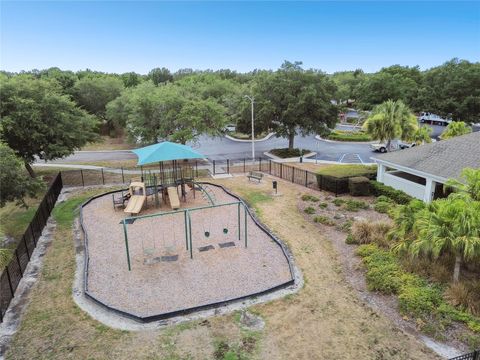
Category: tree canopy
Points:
column 39, row 121
column 15, row 184
column 295, row 101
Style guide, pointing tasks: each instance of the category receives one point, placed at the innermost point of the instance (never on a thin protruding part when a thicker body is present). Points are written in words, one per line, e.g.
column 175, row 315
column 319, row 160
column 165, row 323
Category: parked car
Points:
column 230, row 128
column 433, row 119
column 395, row 145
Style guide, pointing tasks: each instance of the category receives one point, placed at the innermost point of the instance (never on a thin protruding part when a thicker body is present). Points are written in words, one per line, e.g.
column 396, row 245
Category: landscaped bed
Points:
column 165, row 277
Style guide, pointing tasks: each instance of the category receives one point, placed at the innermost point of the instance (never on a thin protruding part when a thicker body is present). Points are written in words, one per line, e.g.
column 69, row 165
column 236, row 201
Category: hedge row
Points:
column 398, row 196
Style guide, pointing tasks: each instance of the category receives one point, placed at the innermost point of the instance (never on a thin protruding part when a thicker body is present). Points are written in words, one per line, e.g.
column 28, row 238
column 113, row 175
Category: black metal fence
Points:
column 470, row 356
column 13, row 272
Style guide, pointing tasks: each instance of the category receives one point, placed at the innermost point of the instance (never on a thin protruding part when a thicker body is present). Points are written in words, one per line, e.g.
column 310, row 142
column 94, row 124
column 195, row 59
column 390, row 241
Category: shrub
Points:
column 365, row 232
column 338, row 202
column 349, row 136
column 288, row 153
column 382, row 207
column 359, row 186
column 334, row 178
column 323, row 205
column 346, row 226
column 383, row 198
column 309, row 210
column 397, row 196
column 350, row 240
column 308, row 197
column 355, row 205
column 323, row 220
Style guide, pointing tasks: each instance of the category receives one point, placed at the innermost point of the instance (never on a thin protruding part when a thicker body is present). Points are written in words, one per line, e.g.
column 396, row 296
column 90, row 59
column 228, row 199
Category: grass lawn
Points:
column 325, row 320
column 109, row 143
column 243, row 136
column 341, row 171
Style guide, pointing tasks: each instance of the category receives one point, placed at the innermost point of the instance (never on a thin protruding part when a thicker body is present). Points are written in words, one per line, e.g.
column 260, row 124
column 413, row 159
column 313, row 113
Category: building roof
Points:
column 443, row 159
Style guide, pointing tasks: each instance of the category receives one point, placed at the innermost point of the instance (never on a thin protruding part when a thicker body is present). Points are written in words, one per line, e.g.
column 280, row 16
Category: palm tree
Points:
column 455, row 128
column 449, row 225
column 404, row 218
column 470, row 187
column 422, row 135
column 391, row 120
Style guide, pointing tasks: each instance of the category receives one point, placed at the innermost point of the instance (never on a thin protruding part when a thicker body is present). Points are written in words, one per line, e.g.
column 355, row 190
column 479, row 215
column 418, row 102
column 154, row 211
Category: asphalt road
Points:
column 220, row 148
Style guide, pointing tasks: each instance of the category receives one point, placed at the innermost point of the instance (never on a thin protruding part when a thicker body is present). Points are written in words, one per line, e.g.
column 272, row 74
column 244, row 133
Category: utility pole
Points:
column 252, row 100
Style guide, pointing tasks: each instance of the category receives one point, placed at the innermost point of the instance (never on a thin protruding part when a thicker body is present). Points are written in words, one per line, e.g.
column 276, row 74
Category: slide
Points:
column 173, row 197
column 135, row 204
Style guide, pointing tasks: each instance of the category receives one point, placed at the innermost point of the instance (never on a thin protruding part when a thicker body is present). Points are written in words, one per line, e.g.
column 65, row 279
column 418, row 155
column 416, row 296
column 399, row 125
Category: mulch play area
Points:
column 227, row 259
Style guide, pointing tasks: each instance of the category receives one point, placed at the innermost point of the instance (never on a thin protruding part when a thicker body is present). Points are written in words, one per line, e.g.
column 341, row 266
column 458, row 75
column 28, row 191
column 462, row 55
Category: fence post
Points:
column 213, row 167
column 228, row 166
column 306, row 178
column 196, row 168
column 26, row 246
column 293, row 174
column 103, row 178
column 83, row 181
column 123, row 177
column 270, row 167
column 9, row 282
column 33, row 234
column 18, row 261
column 281, row 170
column 260, row 164
column 244, row 169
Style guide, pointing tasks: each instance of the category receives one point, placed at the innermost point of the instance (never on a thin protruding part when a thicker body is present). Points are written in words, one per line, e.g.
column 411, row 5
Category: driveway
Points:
column 221, row 148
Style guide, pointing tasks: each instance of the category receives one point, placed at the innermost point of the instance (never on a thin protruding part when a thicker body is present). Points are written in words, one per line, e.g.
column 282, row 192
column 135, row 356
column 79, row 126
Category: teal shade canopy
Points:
column 165, row 151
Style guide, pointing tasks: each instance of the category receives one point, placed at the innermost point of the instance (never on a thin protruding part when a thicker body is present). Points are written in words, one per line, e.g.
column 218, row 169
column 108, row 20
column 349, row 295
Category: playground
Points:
column 187, row 247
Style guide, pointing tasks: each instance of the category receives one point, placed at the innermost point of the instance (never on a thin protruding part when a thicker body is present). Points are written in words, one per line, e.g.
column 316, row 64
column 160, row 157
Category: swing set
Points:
column 169, row 235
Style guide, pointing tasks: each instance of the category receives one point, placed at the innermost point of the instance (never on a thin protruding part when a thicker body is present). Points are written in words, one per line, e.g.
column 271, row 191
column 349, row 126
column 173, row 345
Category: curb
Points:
column 292, row 159
column 319, row 138
column 249, row 141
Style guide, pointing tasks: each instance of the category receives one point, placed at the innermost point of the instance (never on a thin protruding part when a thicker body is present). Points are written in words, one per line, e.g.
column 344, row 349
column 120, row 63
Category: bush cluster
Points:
column 398, row 196
column 416, row 297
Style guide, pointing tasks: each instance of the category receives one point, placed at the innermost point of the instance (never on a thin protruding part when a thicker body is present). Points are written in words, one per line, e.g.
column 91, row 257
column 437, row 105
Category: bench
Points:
column 255, row 175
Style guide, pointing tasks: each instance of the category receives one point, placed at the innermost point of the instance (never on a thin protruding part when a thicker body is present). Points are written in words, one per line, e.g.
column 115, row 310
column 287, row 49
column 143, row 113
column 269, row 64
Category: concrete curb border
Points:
column 249, row 141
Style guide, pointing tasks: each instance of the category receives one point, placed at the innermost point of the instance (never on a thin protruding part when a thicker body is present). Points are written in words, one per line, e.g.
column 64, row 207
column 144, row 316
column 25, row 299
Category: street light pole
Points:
column 252, row 100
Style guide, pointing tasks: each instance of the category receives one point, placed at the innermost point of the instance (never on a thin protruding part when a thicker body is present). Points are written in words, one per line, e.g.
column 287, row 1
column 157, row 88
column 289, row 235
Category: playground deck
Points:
column 163, row 277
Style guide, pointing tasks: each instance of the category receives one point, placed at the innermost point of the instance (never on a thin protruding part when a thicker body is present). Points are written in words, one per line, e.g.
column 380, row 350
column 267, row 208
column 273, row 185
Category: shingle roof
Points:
column 445, row 159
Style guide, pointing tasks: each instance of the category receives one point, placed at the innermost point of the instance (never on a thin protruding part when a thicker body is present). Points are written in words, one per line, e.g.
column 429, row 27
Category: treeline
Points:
column 49, row 113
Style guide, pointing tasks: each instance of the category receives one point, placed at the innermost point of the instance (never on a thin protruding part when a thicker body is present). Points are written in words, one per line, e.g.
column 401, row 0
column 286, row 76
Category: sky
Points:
column 332, row 36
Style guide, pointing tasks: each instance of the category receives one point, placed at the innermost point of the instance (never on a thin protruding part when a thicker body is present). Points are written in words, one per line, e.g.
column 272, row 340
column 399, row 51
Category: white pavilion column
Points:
column 429, row 190
column 380, row 172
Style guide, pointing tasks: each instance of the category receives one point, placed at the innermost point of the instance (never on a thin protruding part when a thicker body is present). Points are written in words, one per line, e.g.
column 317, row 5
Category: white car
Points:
column 395, row 145
column 230, row 128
